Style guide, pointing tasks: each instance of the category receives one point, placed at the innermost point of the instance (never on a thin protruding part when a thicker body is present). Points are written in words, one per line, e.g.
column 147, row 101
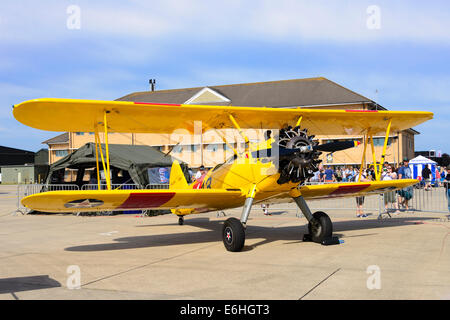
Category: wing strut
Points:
column 105, row 166
column 247, row 141
column 379, row 166
column 97, row 145
column 375, row 165
column 383, row 155
column 363, row 158
column 105, row 124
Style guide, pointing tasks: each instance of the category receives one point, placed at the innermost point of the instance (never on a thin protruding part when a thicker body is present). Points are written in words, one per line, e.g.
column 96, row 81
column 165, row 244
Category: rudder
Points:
column 177, row 179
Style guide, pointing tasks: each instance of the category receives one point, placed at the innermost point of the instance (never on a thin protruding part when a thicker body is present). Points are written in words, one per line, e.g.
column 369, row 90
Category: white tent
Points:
column 418, row 163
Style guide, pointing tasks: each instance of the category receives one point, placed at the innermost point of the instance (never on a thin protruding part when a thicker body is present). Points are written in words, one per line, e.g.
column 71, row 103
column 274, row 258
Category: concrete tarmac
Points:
column 134, row 257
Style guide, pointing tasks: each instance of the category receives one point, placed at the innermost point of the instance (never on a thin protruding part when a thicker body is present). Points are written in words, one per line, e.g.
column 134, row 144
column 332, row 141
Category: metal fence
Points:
column 104, row 186
column 434, row 199
column 24, row 190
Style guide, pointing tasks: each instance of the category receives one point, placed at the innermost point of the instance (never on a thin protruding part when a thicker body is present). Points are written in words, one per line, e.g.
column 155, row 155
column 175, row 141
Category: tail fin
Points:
column 177, row 179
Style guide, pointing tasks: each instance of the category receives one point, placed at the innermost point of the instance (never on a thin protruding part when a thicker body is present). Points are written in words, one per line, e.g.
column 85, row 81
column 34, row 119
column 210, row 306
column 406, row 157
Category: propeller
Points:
column 326, row 147
column 299, row 153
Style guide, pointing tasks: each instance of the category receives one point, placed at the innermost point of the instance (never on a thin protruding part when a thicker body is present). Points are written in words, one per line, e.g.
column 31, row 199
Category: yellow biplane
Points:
column 271, row 171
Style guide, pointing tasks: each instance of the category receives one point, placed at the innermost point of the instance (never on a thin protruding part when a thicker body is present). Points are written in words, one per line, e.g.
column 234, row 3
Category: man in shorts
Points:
column 389, row 197
column 360, row 200
column 426, row 175
column 406, row 194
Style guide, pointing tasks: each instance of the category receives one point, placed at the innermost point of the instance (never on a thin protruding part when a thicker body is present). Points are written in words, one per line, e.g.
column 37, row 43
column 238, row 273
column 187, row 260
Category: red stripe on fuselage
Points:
column 158, row 104
column 146, row 200
column 349, row 189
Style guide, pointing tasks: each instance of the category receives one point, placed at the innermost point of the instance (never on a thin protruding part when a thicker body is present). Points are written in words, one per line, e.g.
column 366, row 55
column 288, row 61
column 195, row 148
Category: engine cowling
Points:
column 297, row 158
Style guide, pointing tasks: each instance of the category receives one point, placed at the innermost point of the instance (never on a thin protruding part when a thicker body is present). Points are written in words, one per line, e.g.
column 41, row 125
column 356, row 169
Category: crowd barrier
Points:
column 436, row 199
column 24, row 190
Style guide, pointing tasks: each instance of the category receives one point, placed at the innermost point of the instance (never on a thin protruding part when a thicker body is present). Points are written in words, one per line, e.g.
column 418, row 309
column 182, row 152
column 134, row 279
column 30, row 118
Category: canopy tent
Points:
column 137, row 161
column 418, row 163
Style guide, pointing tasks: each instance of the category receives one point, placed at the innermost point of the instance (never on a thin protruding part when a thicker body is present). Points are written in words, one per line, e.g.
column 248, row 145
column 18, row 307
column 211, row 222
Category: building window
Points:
column 177, row 149
column 213, row 147
column 379, row 142
column 194, row 148
column 227, row 147
column 79, row 133
column 61, row 153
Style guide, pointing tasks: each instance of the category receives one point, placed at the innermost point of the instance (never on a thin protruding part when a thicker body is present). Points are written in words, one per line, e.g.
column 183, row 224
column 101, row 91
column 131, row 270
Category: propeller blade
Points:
column 326, row 147
column 336, row 146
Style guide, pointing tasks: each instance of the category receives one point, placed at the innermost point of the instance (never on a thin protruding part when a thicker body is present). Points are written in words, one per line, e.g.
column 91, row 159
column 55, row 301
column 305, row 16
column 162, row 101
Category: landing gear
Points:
column 233, row 230
column 320, row 227
column 233, row 235
column 181, row 220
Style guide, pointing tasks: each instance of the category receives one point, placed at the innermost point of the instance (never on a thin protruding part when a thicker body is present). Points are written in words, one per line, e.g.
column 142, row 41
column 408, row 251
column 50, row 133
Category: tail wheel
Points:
column 233, row 235
column 180, row 221
column 320, row 227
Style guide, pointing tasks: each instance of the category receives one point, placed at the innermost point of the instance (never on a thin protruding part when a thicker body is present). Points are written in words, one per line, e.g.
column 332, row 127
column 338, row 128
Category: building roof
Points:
column 62, row 138
column 13, row 156
column 12, row 151
column 284, row 93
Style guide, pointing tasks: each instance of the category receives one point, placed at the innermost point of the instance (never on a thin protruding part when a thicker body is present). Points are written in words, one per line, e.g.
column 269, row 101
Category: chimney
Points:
column 152, row 84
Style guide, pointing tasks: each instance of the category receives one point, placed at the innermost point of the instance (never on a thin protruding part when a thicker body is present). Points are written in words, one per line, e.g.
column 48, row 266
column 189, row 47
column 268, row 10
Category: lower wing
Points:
column 339, row 190
column 200, row 200
column 352, row 189
column 185, row 201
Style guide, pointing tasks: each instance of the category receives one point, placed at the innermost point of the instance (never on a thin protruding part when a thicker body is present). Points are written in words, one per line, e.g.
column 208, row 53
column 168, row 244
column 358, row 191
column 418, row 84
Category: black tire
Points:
column 233, row 235
column 180, row 221
column 321, row 227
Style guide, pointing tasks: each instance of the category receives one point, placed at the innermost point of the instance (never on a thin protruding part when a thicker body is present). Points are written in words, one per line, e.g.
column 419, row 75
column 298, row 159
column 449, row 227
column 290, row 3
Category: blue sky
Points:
column 403, row 65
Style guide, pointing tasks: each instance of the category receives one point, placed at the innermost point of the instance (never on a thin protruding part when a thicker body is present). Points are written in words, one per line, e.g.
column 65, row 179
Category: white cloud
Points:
column 282, row 20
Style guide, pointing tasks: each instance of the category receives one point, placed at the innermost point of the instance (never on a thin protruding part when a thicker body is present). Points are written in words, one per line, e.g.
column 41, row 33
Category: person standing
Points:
column 443, row 174
column 345, row 174
column 426, row 175
column 447, row 185
column 404, row 172
column 437, row 180
column 329, row 175
column 322, row 176
column 389, row 197
column 360, row 200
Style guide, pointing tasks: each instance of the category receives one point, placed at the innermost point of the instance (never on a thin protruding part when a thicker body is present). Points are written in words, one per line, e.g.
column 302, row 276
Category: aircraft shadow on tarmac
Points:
column 11, row 285
column 214, row 227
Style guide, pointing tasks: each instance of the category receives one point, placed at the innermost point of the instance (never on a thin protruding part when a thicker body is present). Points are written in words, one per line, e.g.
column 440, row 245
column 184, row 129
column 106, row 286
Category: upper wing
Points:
column 83, row 115
column 103, row 200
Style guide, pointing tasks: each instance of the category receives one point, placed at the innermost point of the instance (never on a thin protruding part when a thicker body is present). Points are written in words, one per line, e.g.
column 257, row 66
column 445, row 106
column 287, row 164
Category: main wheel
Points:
column 320, row 227
column 180, row 221
column 233, row 235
